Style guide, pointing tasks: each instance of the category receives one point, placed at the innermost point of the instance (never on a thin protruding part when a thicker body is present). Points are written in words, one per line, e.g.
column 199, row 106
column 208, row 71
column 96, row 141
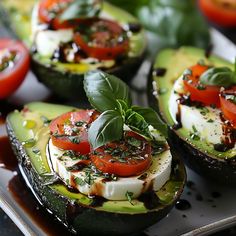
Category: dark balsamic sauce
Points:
column 229, row 139
column 7, row 157
column 182, row 205
column 199, row 197
column 23, row 196
column 160, row 71
column 149, row 199
column 134, row 27
column 38, row 214
column 208, row 51
column 216, row 194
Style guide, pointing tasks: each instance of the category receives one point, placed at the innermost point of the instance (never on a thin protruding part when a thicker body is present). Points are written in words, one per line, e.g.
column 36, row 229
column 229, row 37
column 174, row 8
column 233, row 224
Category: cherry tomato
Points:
column 69, row 131
column 102, row 39
column 123, row 158
column 220, row 12
column 206, row 94
column 49, row 9
column 14, row 65
column 228, row 104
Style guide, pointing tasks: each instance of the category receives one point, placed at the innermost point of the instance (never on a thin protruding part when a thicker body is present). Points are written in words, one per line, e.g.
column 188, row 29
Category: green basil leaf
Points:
column 103, row 90
column 137, row 123
column 106, row 128
column 152, row 118
column 218, row 76
column 81, row 9
column 173, row 22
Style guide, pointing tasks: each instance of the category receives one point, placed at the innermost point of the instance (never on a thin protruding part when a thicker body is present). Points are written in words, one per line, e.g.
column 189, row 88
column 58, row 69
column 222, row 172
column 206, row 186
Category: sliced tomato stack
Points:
column 99, row 38
column 14, row 65
column 211, row 95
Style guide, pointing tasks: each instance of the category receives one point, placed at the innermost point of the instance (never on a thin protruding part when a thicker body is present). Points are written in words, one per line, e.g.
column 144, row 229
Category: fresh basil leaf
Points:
column 103, row 90
column 218, row 76
column 81, row 9
column 152, row 118
column 137, row 123
column 122, row 107
column 173, row 22
column 106, row 128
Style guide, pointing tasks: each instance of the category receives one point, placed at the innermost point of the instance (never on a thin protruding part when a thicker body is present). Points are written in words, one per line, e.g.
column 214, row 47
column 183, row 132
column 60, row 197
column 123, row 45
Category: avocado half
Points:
column 199, row 156
column 78, row 212
column 66, row 79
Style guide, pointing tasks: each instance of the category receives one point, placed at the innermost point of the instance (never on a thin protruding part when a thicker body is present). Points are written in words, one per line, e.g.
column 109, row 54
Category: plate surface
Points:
column 211, row 205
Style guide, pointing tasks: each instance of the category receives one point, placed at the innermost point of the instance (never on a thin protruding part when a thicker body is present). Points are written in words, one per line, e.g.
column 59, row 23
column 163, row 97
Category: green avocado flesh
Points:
column 29, row 131
column 175, row 62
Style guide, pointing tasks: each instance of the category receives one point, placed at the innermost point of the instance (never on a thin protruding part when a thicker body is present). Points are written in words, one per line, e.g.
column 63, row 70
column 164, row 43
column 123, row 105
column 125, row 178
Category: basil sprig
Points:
column 111, row 96
column 81, row 9
column 219, row 76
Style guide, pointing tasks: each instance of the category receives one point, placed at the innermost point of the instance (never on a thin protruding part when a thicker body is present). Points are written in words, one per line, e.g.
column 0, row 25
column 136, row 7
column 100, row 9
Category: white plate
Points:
column 206, row 216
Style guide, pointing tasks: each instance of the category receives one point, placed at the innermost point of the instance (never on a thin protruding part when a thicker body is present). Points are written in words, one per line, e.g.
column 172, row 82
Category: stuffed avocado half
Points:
column 63, row 50
column 193, row 94
column 105, row 171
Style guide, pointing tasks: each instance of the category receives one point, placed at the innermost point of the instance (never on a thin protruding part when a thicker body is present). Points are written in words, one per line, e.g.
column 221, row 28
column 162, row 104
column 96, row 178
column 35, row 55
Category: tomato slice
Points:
column 220, row 12
column 69, row 131
column 14, row 65
column 102, row 39
column 49, row 9
column 123, row 158
column 206, row 94
column 228, row 104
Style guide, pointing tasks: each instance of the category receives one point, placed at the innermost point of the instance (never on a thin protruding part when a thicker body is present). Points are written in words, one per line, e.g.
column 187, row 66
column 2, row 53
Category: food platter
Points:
column 210, row 208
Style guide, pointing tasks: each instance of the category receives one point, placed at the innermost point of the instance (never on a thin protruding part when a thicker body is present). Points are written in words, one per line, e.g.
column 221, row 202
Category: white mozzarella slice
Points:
column 156, row 176
column 47, row 41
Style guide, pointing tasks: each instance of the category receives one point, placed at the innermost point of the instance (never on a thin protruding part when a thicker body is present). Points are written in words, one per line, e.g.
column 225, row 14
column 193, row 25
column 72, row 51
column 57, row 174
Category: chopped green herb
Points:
column 67, row 181
column 134, row 142
column 231, row 98
column 80, row 123
column 187, row 72
column 74, row 139
column 204, row 111
column 201, row 87
column 35, row 150
column 195, row 135
column 129, row 196
column 79, row 181
column 210, row 121
column 45, row 120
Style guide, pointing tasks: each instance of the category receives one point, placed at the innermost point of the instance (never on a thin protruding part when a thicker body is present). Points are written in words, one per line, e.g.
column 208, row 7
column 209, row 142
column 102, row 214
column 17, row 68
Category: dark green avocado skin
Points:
column 70, row 85
column 86, row 219
column 221, row 170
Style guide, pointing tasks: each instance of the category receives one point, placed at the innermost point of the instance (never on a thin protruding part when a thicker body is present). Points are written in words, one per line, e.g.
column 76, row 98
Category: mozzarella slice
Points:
column 47, row 41
column 206, row 122
column 155, row 177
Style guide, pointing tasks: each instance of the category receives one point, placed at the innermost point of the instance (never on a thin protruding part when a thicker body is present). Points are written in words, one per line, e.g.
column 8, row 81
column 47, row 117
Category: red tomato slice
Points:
column 14, row 65
column 69, row 131
column 102, row 39
column 49, row 9
column 206, row 94
column 123, row 159
column 228, row 107
column 220, row 12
